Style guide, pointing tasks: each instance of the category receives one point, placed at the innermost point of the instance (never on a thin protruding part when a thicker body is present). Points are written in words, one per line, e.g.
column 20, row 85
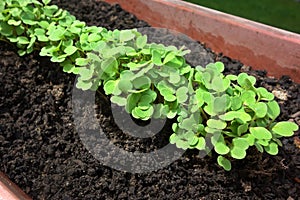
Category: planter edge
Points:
column 10, row 191
column 261, row 46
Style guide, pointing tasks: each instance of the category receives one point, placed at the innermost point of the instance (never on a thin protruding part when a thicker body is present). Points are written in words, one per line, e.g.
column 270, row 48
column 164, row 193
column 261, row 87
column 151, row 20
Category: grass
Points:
column 284, row 14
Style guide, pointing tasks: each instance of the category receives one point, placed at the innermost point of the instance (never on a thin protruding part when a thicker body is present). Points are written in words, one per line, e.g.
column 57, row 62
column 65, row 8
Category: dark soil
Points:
column 43, row 154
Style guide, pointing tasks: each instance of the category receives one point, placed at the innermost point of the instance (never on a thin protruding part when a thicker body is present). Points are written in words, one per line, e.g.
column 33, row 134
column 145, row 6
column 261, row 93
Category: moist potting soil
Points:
column 42, row 153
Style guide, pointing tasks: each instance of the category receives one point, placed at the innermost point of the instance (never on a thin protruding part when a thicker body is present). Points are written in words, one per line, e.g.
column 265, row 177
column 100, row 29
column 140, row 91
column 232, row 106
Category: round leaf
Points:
column 260, row 109
column 221, row 148
column 264, row 94
column 273, row 109
column 121, row 101
column 285, row 129
column 225, row 163
column 201, row 143
column 70, row 50
column 217, row 124
column 110, row 86
column 248, row 97
column 238, row 153
column 272, row 149
column 141, row 82
column 260, row 133
column 240, row 143
column 125, row 85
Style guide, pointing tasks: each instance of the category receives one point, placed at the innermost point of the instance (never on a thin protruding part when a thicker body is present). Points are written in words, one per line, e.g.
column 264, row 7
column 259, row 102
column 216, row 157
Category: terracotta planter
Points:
column 9, row 191
column 260, row 46
column 255, row 44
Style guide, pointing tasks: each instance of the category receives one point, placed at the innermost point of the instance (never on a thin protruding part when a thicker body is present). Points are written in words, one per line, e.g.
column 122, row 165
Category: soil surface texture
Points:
column 41, row 151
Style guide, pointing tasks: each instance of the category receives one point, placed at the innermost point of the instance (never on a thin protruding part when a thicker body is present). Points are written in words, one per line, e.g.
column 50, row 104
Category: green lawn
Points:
column 283, row 14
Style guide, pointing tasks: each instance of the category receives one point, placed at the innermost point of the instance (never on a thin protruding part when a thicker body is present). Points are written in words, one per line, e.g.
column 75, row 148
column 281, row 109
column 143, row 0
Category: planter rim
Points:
column 233, row 19
column 255, row 44
column 10, row 191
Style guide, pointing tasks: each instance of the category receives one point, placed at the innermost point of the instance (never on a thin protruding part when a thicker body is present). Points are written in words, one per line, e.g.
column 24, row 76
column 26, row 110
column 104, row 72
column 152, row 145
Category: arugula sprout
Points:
column 152, row 80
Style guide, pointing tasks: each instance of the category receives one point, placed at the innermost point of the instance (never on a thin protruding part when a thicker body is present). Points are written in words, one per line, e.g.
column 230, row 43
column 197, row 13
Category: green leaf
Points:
column 193, row 141
column 5, row 29
column 263, row 122
column 141, row 41
column 70, row 50
column 246, row 81
column 46, row 2
column 125, row 85
column 182, row 144
column 285, row 129
column 259, row 147
column 121, row 101
column 14, row 22
column 20, row 30
column 156, row 58
column 94, row 37
column 260, row 133
column 181, row 94
column 126, row 35
column 236, row 103
column 146, row 98
column 83, row 85
column 248, row 97
column 221, row 148
column 250, row 139
column 263, row 142
column 160, row 111
column 60, row 58
column 174, row 78
column 56, row 35
column 132, row 101
column 238, row 153
column 141, row 82
column 229, row 116
column 272, row 149
column 242, row 129
column 211, row 130
column 260, row 109
column 187, row 124
column 225, row 163
column 264, row 94
column 23, row 40
column 217, row 124
column 68, row 67
column 28, row 18
column 221, row 104
column 220, row 66
column 199, row 98
column 243, row 117
column 50, row 10
column 44, row 24
column 168, row 96
column 14, row 11
column 110, row 86
column 169, row 57
column 201, row 143
column 81, row 61
column 231, row 77
column 142, row 114
column 219, row 84
column 273, row 109
column 110, row 66
column 173, row 138
column 21, row 52
column 86, row 74
column 240, row 143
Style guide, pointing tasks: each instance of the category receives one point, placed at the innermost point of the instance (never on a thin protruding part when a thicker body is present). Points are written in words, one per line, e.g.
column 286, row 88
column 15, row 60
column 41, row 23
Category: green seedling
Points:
column 152, row 81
